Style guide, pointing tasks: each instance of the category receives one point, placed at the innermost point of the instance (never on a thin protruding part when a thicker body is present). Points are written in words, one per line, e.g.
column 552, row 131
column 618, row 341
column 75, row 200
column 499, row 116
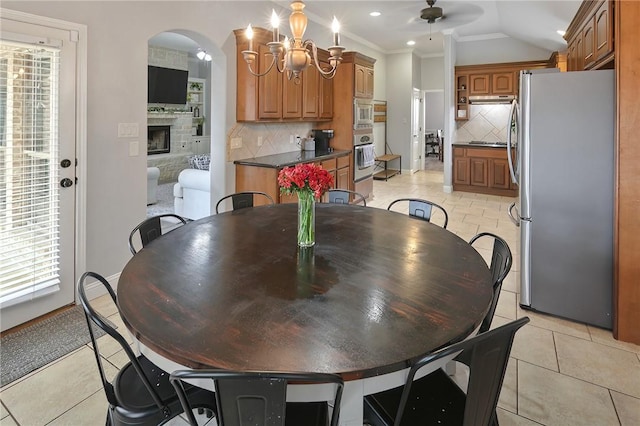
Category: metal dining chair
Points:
column 241, row 200
column 250, row 398
column 501, row 261
column 140, row 393
column 422, row 209
column 436, row 399
column 151, row 228
column 345, row 196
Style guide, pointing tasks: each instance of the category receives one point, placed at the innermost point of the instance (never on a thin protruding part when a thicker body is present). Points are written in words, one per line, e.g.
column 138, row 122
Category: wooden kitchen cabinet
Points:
column 482, row 170
column 590, row 37
column 502, row 83
column 343, row 173
column 479, row 84
column 363, row 81
column 273, row 97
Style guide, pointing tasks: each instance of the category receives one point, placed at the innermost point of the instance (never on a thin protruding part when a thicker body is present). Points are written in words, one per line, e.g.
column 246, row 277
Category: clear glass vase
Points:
column 306, row 219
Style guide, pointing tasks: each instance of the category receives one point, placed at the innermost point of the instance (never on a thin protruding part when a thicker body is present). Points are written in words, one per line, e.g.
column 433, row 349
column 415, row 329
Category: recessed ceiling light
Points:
column 561, row 32
column 375, row 14
column 411, row 43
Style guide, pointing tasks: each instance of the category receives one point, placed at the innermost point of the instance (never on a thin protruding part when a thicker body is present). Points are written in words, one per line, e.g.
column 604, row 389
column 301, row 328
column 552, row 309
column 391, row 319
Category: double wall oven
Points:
column 363, row 152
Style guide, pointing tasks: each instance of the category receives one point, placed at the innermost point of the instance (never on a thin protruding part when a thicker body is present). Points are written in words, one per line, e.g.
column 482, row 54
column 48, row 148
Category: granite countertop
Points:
column 481, row 144
column 290, row 158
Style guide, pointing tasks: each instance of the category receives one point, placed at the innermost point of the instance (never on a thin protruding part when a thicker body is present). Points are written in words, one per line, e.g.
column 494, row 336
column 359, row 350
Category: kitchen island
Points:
column 261, row 173
column 482, row 167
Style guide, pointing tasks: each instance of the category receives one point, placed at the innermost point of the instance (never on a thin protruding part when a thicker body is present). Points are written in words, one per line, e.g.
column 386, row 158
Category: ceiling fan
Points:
column 431, row 14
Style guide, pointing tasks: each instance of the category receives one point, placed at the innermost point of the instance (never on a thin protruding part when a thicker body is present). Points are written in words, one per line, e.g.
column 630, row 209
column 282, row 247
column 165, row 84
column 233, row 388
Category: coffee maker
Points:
column 322, row 138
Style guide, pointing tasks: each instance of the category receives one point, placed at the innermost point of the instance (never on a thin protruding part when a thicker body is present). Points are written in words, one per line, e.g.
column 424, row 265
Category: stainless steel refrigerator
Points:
column 563, row 134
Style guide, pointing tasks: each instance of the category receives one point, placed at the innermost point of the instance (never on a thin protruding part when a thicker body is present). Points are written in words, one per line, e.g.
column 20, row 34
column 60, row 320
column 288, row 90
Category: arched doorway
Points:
column 189, row 125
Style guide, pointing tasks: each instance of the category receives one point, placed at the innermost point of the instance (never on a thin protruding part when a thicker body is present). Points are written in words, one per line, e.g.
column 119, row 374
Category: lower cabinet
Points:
column 482, row 170
column 265, row 179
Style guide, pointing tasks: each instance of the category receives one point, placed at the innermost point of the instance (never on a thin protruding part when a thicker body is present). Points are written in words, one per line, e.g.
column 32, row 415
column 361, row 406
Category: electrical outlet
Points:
column 128, row 130
column 236, row 143
column 259, row 140
column 133, row 149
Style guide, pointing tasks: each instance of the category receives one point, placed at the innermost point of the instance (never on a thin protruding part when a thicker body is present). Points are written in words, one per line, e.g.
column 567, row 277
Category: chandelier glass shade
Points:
column 295, row 55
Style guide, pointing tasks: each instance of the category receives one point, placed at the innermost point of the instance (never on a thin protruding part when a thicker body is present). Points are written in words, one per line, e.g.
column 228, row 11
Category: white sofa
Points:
column 192, row 194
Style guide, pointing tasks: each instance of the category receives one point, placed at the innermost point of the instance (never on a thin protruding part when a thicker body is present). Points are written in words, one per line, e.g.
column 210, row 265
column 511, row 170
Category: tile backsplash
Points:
column 275, row 138
column 486, row 123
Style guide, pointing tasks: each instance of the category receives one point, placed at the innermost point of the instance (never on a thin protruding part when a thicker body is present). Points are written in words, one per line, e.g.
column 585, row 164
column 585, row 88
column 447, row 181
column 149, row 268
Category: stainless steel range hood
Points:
column 491, row 99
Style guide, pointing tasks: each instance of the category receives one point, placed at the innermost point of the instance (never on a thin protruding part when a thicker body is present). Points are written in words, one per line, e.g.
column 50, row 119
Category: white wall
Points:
column 118, row 34
column 497, row 50
column 432, row 71
column 399, row 90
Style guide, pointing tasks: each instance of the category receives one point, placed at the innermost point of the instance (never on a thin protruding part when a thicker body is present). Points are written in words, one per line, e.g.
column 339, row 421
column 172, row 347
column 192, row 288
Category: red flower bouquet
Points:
column 305, row 177
column 309, row 182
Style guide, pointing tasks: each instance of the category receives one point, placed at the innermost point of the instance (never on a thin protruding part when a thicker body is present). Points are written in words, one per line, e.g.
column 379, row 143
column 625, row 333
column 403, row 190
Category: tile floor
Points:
column 560, row 372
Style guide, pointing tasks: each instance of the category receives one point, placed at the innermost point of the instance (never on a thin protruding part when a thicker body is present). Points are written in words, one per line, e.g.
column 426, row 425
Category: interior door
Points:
column 37, row 170
column 417, row 151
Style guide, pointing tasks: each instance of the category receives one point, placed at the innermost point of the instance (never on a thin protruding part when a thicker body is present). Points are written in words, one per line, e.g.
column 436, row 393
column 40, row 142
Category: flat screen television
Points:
column 167, row 86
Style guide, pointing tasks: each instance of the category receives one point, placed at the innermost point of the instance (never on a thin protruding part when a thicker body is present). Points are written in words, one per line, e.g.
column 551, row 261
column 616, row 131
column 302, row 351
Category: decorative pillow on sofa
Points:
column 200, row 162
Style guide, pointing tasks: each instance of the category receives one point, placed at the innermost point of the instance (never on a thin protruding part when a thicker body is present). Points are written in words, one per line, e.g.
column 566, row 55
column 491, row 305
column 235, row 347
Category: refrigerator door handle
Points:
column 512, row 119
column 516, row 221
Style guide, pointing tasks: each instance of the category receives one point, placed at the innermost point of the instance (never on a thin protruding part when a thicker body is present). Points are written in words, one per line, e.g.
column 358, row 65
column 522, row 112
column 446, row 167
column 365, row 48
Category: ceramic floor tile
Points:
column 628, row 408
column 107, row 344
column 59, row 387
column 550, row 322
column 605, row 366
column 536, row 346
column 506, row 306
column 555, row 399
column 8, row 421
column 3, row 411
column 90, row 411
column 509, row 392
column 507, row 418
column 104, row 305
column 606, row 338
column 511, row 283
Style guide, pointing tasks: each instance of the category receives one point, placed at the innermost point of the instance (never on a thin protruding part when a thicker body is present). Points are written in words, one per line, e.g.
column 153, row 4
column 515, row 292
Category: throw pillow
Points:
column 200, row 162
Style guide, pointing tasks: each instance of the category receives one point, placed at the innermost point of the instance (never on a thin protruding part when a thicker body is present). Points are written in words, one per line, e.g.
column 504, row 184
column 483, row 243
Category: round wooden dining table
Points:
column 377, row 291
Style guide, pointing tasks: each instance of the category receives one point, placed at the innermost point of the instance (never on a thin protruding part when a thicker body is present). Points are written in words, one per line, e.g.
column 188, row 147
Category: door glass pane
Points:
column 29, row 244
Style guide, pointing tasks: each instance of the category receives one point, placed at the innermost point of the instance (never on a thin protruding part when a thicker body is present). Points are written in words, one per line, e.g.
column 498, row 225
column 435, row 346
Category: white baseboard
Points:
column 447, row 189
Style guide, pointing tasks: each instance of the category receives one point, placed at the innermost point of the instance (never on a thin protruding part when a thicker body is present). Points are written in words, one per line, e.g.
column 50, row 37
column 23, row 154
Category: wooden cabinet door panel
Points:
column 499, row 173
column 588, row 43
column 603, row 33
column 502, row 83
column 368, row 83
column 325, row 97
column 343, row 177
column 292, row 96
column 479, row 84
column 359, row 81
column 269, row 87
column 311, row 93
column 461, row 170
column 478, row 173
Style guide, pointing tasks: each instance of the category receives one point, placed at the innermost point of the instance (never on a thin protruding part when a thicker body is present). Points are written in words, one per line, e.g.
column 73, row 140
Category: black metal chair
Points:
column 422, row 209
column 259, row 398
column 241, row 200
column 501, row 261
column 140, row 394
column 436, row 399
column 343, row 196
column 151, row 228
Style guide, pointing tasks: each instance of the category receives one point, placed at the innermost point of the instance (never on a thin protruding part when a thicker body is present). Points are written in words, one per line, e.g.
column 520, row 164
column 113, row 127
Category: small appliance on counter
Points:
column 322, row 138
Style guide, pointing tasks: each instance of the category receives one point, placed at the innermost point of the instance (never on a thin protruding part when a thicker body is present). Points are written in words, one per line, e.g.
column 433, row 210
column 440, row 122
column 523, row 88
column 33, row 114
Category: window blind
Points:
column 29, row 239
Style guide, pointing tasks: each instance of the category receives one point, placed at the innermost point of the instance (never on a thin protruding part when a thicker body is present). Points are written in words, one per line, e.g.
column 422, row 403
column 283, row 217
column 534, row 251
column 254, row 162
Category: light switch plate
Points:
column 128, row 130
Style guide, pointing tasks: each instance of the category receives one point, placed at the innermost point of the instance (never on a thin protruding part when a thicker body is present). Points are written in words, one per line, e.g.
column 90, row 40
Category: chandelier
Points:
column 293, row 55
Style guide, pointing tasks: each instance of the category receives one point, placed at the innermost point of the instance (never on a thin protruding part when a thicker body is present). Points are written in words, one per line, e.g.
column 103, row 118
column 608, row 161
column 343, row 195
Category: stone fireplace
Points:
column 158, row 140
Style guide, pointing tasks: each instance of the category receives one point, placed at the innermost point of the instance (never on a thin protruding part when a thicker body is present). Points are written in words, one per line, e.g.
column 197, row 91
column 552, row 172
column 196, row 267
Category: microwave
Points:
column 362, row 113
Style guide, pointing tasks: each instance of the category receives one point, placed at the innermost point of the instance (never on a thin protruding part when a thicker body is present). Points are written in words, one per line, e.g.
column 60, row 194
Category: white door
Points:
column 37, row 170
column 417, row 151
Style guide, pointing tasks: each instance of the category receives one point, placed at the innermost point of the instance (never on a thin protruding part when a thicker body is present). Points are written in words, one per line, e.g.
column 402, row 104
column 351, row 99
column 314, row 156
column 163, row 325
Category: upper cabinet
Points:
column 590, row 36
column 363, row 87
column 275, row 97
column 493, row 79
